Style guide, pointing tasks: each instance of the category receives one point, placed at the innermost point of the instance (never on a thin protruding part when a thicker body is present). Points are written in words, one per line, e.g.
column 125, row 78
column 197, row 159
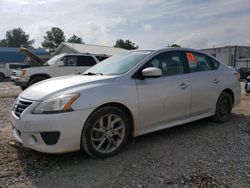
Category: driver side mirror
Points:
column 151, row 72
column 60, row 63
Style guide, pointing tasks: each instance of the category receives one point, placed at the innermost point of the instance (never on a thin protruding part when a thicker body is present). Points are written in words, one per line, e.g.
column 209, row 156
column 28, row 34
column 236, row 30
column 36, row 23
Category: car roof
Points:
column 175, row 49
column 84, row 54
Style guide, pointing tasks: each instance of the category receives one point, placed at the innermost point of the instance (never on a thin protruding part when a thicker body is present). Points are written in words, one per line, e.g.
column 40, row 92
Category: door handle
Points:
column 183, row 86
column 216, row 81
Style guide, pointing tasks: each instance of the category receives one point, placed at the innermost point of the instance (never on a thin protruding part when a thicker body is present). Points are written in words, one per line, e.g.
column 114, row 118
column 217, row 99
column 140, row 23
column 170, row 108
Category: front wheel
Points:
column 223, row 108
column 105, row 132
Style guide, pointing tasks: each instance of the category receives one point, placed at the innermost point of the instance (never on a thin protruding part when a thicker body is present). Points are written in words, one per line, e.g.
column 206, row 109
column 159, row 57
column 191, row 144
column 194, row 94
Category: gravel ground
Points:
column 198, row 154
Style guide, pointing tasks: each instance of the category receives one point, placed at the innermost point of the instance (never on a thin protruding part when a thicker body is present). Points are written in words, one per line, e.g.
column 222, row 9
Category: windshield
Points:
column 118, row 64
column 54, row 59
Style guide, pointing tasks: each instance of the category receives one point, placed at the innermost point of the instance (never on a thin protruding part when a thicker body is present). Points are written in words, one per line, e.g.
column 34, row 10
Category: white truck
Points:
column 59, row 65
column 7, row 68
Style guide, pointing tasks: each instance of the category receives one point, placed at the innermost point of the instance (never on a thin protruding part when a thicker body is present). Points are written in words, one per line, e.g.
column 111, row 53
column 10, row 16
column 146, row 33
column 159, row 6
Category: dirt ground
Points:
column 198, row 154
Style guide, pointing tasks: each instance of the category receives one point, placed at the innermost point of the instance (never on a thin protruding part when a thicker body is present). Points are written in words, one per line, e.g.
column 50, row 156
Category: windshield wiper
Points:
column 92, row 73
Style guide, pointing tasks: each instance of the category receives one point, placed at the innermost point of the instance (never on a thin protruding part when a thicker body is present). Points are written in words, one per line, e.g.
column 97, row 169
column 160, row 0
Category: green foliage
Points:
column 174, row 46
column 75, row 39
column 53, row 39
column 127, row 44
column 16, row 38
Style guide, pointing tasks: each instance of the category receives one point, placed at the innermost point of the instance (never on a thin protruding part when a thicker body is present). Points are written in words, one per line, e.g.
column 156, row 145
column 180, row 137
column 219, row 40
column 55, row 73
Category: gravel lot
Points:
column 198, row 154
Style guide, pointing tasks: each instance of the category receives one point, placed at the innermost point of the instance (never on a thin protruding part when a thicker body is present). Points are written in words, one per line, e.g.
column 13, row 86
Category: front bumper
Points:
column 21, row 81
column 28, row 128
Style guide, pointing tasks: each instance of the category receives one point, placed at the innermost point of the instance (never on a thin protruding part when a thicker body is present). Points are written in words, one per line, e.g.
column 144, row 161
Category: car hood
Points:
column 55, row 85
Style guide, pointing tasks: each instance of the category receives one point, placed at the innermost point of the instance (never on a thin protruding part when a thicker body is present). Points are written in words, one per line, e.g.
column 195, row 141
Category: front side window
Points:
column 197, row 62
column 70, row 61
column 170, row 63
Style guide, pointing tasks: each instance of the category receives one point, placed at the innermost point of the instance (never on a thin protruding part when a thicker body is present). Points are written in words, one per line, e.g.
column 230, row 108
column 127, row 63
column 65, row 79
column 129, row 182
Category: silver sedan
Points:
column 129, row 94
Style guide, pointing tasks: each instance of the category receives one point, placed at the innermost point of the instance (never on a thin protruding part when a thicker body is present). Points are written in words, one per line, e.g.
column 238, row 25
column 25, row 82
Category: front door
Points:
column 167, row 98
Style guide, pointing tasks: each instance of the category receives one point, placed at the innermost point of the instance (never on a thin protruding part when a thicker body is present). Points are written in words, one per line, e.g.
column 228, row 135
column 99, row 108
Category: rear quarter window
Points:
column 214, row 63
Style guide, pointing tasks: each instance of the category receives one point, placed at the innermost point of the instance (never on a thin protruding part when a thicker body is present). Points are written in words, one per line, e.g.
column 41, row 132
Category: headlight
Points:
column 58, row 104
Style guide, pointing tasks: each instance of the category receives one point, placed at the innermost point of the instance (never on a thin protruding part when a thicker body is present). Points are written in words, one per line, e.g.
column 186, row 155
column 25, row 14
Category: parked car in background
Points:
column 59, row 65
column 247, row 85
column 244, row 72
column 129, row 94
column 6, row 70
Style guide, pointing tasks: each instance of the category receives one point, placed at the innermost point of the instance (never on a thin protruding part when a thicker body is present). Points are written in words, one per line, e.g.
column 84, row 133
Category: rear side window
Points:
column 14, row 66
column 214, row 63
column 86, row 61
column 198, row 62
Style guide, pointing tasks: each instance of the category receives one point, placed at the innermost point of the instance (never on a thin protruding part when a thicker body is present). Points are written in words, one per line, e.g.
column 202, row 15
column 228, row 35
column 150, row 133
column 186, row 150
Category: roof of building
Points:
column 90, row 48
column 12, row 55
column 225, row 47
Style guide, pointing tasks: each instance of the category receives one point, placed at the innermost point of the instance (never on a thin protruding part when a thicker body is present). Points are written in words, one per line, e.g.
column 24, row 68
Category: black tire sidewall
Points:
column 35, row 80
column 89, row 124
column 218, row 117
column 1, row 77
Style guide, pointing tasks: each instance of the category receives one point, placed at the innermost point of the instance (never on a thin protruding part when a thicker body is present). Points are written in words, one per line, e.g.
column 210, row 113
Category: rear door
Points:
column 167, row 98
column 205, row 83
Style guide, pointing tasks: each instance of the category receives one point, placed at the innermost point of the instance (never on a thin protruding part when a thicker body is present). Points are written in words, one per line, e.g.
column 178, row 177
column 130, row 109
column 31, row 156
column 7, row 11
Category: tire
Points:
column 101, row 139
column 223, row 108
column 1, row 77
column 36, row 79
column 23, row 87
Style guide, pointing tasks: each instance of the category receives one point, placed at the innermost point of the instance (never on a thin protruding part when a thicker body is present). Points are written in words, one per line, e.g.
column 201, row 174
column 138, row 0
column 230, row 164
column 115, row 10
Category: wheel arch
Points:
column 230, row 92
column 39, row 75
column 2, row 74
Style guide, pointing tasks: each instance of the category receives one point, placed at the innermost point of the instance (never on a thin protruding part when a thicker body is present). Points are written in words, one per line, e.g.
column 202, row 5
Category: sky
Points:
column 150, row 24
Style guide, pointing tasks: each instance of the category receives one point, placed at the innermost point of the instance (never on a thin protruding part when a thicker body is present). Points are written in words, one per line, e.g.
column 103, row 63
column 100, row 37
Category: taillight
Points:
column 237, row 75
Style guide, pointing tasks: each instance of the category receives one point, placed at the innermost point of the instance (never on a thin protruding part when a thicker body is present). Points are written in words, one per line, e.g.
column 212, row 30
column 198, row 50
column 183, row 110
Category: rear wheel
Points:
column 36, row 79
column 1, row 77
column 105, row 132
column 223, row 108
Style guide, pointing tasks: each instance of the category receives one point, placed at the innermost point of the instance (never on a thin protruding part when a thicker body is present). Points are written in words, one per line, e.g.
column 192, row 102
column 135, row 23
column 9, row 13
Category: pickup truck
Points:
column 59, row 65
column 6, row 69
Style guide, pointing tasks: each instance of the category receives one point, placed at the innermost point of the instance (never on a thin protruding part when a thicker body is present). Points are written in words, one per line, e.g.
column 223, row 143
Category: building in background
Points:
column 13, row 55
column 235, row 56
column 87, row 48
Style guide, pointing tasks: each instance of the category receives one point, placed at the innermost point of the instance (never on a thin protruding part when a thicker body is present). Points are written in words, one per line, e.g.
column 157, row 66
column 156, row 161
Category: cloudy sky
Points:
column 150, row 24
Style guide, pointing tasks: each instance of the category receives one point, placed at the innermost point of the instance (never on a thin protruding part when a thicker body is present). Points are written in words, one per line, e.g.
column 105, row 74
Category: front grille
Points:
column 20, row 106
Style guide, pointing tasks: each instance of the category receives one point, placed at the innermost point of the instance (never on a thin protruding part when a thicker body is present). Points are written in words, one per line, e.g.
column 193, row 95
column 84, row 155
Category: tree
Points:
column 174, row 46
column 75, row 39
column 53, row 39
column 16, row 38
column 127, row 44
